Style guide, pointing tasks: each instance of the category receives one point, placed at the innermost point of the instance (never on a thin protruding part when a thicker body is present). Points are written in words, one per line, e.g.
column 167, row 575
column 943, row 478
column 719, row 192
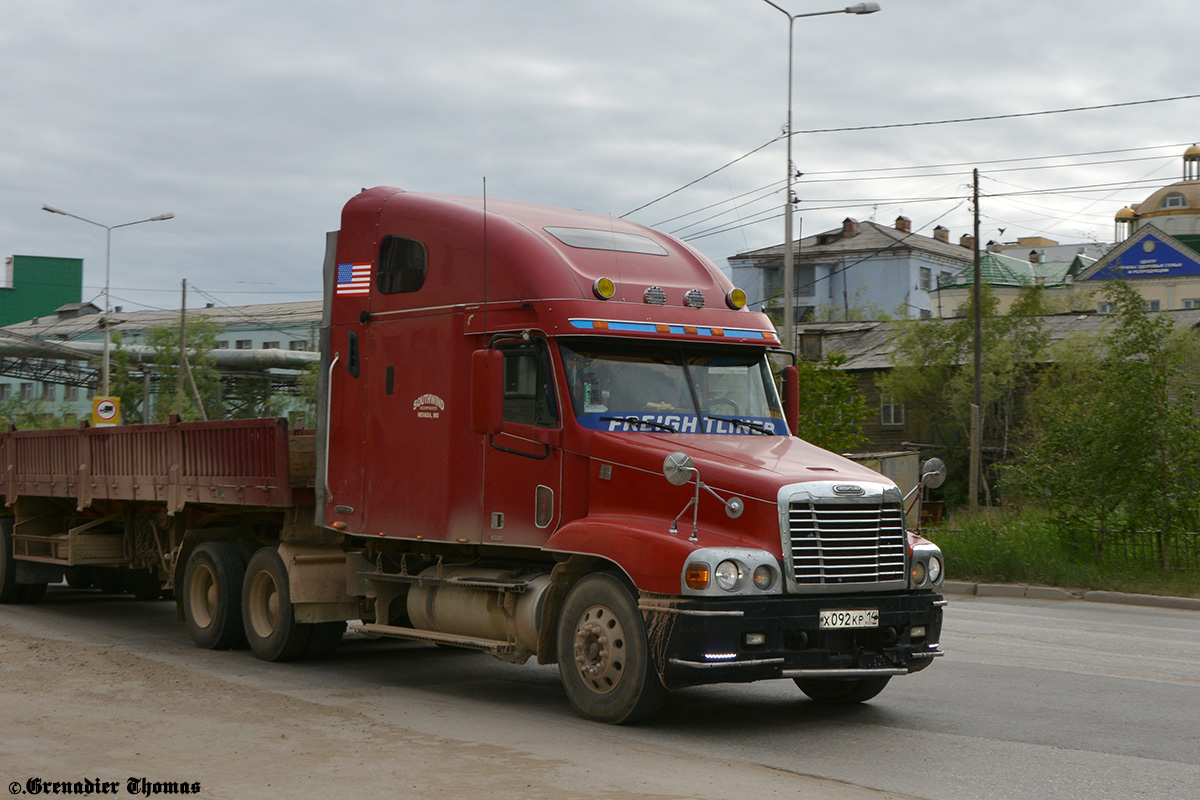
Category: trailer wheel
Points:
column 8, row 566
column 212, row 596
column 267, row 610
column 603, row 654
column 842, row 692
column 324, row 639
column 10, row 590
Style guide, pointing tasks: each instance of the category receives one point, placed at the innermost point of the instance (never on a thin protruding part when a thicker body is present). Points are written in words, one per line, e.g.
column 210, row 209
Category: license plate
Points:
column 853, row 618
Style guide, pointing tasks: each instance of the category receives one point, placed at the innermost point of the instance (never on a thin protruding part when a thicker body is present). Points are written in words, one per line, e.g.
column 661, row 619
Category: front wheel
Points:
column 842, row 692
column 267, row 610
column 603, row 653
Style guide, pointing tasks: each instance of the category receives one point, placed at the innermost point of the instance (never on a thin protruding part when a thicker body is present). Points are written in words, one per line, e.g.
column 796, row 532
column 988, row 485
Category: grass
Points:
column 1029, row 547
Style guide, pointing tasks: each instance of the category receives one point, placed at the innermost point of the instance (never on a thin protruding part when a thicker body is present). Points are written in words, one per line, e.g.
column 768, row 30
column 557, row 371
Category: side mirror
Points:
column 487, row 391
column 791, row 398
column 933, row 473
column 678, row 469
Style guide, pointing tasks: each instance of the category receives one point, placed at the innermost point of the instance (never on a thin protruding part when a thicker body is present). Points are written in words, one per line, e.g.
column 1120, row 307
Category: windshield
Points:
column 644, row 386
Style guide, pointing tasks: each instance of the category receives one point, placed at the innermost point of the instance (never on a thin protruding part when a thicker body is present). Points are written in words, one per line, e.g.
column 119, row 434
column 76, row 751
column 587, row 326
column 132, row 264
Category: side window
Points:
column 529, row 387
column 401, row 265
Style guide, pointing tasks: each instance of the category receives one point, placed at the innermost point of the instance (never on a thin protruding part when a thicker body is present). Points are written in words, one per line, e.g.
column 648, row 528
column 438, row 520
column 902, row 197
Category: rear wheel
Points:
column 10, row 590
column 212, row 596
column 603, row 654
column 842, row 692
column 267, row 611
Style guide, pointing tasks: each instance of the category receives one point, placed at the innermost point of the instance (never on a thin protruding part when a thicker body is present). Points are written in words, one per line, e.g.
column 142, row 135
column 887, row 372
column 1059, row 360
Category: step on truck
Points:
column 542, row 434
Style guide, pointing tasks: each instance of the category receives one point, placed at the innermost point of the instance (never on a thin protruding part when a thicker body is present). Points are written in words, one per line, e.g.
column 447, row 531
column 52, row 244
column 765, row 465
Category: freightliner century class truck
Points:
column 542, row 434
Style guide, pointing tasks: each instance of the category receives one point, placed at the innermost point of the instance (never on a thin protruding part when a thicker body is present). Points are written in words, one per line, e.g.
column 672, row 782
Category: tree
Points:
column 933, row 376
column 1113, row 439
column 31, row 415
column 831, row 406
column 204, row 379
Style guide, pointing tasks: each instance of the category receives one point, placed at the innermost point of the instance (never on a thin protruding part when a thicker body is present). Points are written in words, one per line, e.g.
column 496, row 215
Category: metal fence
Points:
column 1144, row 550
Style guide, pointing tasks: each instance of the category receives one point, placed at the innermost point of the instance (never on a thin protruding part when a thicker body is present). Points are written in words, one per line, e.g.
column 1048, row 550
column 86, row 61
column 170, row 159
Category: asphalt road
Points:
column 1034, row 699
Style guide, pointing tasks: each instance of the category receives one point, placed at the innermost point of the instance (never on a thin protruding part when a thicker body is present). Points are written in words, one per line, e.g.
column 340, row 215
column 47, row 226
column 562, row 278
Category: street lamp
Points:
column 108, row 229
column 789, row 259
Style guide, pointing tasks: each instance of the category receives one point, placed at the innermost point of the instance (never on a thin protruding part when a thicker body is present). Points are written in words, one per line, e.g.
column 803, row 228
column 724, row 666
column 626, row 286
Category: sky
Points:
column 254, row 121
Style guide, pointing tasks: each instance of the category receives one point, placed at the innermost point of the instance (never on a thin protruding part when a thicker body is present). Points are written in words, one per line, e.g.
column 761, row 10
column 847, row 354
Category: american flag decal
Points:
column 353, row 279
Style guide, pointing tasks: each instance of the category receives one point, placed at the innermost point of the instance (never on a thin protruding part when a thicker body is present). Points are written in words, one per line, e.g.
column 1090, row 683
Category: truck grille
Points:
column 834, row 544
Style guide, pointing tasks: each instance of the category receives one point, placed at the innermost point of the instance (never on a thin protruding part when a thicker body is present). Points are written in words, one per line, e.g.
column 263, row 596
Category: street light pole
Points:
column 108, row 229
column 789, row 258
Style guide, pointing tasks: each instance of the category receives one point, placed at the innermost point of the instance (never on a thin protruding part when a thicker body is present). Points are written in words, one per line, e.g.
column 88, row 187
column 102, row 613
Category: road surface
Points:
column 1034, row 699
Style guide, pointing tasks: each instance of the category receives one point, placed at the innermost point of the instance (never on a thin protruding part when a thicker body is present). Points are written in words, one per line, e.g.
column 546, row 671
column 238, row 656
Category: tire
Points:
column 324, row 639
column 144, row 584
column 603, row 654
column 212, row 596
column 10, row 590
column 111, row 580
column 80, row 577
column 268, row 616
column 8, row 566
column 842, row 692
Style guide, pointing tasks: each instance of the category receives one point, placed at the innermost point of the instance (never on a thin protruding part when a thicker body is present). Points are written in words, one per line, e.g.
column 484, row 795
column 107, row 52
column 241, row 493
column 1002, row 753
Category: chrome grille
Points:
column 845, row 543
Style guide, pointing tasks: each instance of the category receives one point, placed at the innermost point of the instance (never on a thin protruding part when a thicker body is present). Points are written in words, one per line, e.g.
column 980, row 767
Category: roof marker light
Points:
column 735, row 299
column 604, row 288
column 654, row 296
column 694, row 298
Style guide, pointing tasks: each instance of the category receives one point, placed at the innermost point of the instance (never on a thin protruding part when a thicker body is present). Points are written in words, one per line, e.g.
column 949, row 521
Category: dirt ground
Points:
column 75, row 705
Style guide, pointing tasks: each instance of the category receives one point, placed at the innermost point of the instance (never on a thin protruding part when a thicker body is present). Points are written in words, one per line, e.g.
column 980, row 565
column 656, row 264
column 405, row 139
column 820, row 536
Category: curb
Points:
column 1054, row 593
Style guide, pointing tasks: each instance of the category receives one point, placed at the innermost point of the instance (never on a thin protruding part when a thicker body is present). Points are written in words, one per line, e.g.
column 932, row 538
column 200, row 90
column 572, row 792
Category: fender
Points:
column 652, row 559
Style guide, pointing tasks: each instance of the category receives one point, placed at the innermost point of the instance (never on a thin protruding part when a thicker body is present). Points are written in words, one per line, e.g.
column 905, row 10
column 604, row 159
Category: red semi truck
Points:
column 542, row 434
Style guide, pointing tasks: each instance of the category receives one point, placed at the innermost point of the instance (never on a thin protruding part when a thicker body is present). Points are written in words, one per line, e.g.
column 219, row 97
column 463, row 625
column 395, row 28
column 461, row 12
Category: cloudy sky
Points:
column 254, row 121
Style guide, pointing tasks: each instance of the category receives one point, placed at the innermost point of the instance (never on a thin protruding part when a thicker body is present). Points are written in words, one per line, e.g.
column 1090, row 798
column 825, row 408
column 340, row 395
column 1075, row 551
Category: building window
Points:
column 270, row 346
column 49, row 391
column 1193, row 303
column 5, row 391
column 926, row 278
column 222, row 345
column 945, row 278
column 891, row 413
column 297, row 344
column 1105, row 308
column 1174, row 200
column 1151, row 305
column 70, row 393
column 925, row 313
column 26, row 391
column 242, row 344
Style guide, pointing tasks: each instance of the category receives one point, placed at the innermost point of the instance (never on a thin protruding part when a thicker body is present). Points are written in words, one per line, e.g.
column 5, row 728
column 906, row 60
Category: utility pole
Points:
column 977, row 404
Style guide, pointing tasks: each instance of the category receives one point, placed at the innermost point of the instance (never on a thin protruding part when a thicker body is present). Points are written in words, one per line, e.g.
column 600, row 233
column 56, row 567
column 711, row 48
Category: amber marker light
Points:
column 338, row 526
column 604, row 288
column 735, row 299
column 696, row 576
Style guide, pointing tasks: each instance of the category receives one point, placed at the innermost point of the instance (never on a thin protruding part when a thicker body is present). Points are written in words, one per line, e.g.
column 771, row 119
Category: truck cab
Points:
column 579, row 413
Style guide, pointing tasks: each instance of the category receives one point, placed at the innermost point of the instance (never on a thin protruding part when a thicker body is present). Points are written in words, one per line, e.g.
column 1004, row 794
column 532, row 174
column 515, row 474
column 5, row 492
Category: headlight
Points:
column 935, row 569
column 728, row 575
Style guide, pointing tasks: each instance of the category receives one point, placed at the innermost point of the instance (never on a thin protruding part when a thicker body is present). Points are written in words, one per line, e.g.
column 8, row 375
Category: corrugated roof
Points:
column 302, row 313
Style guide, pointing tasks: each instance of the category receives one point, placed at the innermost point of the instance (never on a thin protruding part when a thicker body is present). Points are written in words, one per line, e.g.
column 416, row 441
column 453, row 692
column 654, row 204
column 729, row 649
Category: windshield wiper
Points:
column 754, row 426
column 639, row 421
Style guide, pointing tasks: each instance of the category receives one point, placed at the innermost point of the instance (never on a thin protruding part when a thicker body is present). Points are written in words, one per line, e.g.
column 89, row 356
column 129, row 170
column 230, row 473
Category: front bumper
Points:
column 701, row 640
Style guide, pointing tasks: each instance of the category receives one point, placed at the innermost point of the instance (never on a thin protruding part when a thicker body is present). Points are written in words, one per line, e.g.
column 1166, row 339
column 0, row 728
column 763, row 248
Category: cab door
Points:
column 523, row 460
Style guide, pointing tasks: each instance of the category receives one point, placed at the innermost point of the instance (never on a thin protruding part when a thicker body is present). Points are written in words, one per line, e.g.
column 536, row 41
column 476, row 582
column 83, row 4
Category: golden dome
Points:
column 1192, row 152
column 1126, row 213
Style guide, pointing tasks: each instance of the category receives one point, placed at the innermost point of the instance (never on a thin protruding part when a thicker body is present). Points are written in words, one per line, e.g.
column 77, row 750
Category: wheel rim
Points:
column 600, row 649
column 264, row 604
column 202, row 596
